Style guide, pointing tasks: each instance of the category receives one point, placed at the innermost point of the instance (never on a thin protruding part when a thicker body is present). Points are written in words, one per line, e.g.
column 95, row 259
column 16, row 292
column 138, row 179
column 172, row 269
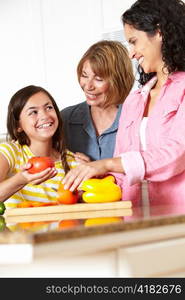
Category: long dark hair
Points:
column 17, row 102
column 168, row 17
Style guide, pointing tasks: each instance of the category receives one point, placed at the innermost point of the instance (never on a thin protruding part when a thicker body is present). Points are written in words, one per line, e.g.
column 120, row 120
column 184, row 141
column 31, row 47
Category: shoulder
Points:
column 11, row 147
column 73, row 111
column 177, row 79
column 10, row 150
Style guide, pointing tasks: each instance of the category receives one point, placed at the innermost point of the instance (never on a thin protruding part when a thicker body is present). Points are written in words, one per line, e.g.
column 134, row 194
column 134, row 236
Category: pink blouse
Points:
column 162, row 164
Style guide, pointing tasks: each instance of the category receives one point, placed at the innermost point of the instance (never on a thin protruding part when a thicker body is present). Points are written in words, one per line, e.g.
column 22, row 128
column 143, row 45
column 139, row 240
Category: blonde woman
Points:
column 105, row 75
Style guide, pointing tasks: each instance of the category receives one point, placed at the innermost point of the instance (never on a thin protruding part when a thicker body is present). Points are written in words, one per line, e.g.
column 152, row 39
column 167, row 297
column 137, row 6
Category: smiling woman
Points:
column 34, row 129
column 106, row 77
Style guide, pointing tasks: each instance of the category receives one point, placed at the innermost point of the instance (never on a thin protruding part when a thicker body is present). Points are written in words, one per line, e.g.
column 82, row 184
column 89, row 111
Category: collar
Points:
column 148, row 86
column 175, row 76
column 82, row 116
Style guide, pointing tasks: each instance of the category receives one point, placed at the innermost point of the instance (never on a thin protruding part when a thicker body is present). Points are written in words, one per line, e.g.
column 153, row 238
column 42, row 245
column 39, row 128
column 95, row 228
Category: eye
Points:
column 49, row 107
column 83, row 75
column 99, row 78
column 33, row 112
column 132, row 42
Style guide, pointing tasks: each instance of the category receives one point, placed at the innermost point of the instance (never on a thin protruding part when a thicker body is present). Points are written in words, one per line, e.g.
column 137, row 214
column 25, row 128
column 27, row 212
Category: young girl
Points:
column 34, row 128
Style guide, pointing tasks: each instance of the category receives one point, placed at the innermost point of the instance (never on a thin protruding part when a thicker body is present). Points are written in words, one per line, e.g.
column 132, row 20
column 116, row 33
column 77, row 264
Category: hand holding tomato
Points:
column 66, row 196
column 42, row 169
column 39, row 163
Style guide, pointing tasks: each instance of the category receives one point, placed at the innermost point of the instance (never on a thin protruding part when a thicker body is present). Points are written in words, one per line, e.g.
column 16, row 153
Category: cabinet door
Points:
column 160, row 259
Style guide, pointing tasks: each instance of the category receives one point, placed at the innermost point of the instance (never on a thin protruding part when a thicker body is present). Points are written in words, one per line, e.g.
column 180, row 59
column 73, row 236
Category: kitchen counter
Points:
column 51, row 227
column 133, row 242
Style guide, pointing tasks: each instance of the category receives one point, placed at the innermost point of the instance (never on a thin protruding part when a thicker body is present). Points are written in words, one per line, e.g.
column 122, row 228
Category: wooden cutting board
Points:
column 121, row 212
column 63, row 208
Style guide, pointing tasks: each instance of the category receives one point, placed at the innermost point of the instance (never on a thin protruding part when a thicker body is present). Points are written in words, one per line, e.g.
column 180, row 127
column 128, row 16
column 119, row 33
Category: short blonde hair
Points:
column 110, row 61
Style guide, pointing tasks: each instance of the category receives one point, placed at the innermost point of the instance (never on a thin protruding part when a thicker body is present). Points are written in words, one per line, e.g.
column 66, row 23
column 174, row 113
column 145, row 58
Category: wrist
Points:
column 21, row 179
column 114, row 165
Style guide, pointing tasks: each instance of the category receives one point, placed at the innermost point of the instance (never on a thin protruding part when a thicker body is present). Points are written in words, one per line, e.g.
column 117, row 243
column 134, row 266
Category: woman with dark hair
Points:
column 150, row 142
column 105, row 75
column 35, row 128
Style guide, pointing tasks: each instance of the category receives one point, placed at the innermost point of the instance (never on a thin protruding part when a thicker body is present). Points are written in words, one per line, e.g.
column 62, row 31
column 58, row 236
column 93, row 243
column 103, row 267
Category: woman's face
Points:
column 38, row 118
column 145, row 49
column 94, row 87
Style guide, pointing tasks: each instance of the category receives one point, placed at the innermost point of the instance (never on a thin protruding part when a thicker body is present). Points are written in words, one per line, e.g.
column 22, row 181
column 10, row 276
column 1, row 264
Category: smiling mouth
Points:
column 46, row 125
column 91, row 96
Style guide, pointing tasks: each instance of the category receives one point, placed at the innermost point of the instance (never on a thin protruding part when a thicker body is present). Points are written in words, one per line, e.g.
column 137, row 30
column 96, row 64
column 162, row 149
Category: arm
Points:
column 10, row 186
column 88, row 170
column 164, row 158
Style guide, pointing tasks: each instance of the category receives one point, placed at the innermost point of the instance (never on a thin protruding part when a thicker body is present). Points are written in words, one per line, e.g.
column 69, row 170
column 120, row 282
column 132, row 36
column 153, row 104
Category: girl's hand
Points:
column 81, row 157
column 36, row 178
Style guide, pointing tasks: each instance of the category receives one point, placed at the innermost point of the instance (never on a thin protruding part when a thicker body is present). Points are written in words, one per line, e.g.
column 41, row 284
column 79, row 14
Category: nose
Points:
column 89, row 84
column 43, row 114
column 131, row 52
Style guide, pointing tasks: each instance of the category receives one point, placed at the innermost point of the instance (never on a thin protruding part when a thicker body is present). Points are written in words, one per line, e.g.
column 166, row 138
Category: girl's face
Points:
column 146, row 50
column 38, row 118
column 94, row 87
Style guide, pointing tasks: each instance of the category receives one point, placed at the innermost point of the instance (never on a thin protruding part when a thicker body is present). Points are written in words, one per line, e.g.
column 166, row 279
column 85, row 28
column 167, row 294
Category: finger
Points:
column 71, row 176
column 43, row 174
column 69, row 181
column 76, row 183
column 46, row 177
column 50, row 174
column 80, row 160
column 25, row 167
column 82, row 157
column 78, row 179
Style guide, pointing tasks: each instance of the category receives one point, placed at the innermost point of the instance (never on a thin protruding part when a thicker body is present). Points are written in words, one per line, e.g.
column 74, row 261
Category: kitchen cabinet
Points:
column 134, row 245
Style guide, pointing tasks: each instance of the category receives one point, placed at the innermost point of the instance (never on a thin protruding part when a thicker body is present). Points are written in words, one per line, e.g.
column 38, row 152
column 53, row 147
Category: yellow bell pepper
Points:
column 100, row 190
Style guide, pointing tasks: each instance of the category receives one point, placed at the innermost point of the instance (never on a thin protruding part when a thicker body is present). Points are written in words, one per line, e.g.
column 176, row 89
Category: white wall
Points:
column 43, row 40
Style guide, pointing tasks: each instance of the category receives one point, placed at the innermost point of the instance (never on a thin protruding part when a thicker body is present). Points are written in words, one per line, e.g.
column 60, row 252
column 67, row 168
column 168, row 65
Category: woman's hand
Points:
column 85, row 171
column 36, row 178
column 81, row 157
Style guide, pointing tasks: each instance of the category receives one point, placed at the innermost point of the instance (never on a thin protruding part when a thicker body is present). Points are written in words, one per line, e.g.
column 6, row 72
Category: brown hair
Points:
column 17, row 102
column 110, row 61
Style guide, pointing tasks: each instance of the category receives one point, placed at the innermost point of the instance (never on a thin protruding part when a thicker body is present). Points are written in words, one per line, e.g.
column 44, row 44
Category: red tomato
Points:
column 40, row 163
column 66, row 196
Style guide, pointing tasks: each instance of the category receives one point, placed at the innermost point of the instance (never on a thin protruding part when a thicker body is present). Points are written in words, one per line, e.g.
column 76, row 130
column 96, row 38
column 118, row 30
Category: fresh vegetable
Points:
column 40, row 163
column 100, row 190
column 2, row 208
column 66, row 196
column 25, row 204
column 2, row 223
